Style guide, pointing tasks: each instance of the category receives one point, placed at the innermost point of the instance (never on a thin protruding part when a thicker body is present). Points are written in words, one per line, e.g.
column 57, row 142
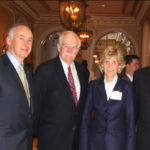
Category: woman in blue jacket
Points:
column 110, row 100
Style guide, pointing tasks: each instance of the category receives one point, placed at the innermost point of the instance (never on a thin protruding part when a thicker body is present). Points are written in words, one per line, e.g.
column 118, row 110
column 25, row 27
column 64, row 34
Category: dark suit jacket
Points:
column 56, row 118
column 125, row 77
column 112, row 125
column 15, row 114
column 142, row 100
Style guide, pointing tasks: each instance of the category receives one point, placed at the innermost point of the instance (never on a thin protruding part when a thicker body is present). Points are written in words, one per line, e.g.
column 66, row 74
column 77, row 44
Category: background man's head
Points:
column 68, row 46
column 19, row 41
column 132, row 64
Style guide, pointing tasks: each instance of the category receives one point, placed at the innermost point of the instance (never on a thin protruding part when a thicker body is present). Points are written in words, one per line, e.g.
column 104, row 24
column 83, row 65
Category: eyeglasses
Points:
column 66, row 47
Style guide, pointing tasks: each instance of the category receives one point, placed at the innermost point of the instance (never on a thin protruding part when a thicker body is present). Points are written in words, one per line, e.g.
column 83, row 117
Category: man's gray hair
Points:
column 60, row 40
column 11, row 30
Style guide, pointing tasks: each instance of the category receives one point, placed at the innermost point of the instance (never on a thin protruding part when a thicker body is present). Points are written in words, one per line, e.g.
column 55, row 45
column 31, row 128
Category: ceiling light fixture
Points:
column 72, row 13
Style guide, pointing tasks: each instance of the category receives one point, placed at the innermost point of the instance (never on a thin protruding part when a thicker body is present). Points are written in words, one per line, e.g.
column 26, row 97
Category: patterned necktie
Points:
column 72, row 86
column 23, row 80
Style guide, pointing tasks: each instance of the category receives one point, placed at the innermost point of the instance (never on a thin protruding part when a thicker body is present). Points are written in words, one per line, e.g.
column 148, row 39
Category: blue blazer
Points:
column 111, row 127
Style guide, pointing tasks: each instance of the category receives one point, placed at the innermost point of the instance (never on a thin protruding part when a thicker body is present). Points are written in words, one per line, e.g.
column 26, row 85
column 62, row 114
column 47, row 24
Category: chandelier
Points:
column 72, row 13
column 85, row 37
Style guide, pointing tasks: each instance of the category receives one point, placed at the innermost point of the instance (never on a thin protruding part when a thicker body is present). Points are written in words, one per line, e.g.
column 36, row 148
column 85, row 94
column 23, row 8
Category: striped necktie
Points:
column 72, row 86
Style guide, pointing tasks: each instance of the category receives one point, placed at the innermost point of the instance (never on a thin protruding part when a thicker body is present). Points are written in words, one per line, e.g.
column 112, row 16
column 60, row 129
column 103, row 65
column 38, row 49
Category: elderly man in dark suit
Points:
column 16, row 106
column 60, row 89
column 142, row 101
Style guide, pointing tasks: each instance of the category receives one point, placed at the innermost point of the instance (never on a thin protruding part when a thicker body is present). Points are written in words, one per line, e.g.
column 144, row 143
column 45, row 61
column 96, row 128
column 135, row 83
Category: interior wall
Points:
column 6, row 20
column 9, row 18
column 40, row 33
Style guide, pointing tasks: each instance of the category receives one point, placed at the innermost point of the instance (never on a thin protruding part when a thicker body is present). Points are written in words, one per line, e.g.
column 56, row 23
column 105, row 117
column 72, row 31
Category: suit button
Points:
column 106, row 110
column 105, row 129
column 105, row 120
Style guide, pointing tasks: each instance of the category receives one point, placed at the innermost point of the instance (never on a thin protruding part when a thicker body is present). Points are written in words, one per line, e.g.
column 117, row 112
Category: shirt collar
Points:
column 13, row 60
column 130, row 77
column 65, row 65
column 113, row 81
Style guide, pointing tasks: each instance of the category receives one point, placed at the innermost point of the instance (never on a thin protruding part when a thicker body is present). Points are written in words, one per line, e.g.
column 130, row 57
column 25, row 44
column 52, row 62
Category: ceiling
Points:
column 97, row 11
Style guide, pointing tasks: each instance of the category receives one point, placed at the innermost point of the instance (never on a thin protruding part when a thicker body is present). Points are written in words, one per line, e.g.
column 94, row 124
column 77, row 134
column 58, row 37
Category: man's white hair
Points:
column 11, row 30
column 60, row 40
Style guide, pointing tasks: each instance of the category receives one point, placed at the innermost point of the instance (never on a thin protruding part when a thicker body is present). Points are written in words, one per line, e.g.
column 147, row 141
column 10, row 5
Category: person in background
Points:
column 132, row 64
column 110, row 100
column 60, row 91
column 16, row 97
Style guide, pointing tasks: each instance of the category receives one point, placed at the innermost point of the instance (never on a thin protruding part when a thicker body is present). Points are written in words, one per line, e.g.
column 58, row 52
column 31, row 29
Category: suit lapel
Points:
column 118, row 85
column 79, row 73
column 81, row 80
column 11, row 70
column 63, row 80
column 101, row 89
column 13, row 74
column 116, row 88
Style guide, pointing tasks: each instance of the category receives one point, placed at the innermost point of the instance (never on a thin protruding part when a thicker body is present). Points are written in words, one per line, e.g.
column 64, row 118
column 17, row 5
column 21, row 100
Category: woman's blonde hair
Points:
column 110, row 52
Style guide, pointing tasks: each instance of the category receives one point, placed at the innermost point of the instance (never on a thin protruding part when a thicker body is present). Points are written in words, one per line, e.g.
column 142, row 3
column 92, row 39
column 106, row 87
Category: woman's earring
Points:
column 119, row 70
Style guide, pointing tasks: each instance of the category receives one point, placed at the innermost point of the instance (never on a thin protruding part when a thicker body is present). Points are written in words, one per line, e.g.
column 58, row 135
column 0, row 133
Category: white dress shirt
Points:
column 109, row 86
column 74, row 74
column 130, row 77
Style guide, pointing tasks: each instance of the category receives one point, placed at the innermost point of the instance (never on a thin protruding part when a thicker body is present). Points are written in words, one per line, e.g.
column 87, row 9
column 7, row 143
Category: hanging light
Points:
column 72, row 13
column 85, row 37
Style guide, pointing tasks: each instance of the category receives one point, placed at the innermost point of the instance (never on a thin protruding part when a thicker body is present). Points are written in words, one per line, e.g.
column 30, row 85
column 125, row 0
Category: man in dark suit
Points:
column 132, row 64
column 59, row 106
column 142, row 101
column 15, row 99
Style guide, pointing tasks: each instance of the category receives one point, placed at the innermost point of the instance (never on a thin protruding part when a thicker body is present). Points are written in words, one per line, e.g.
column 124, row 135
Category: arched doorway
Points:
column 49, row 46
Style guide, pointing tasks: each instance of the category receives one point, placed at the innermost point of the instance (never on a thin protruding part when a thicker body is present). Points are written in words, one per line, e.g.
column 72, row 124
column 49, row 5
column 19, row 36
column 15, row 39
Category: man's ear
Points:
column 58, row 47
column 127, row 65
column 8, row 41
